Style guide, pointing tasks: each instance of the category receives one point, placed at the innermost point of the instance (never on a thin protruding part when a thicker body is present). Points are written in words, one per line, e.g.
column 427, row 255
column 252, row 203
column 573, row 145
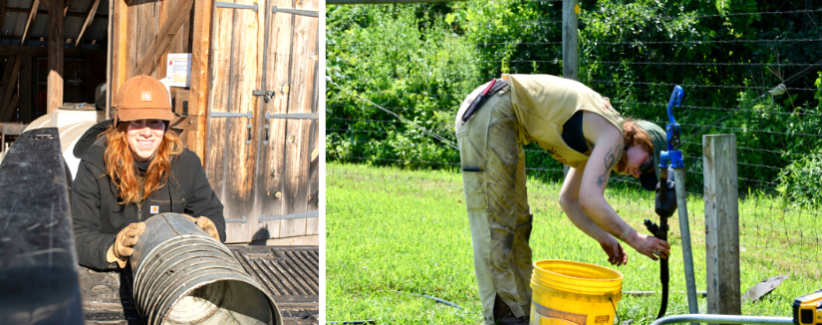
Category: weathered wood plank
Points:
column 167, row 32
column 20, row 50
column 570, row 40
column 66, row 7
column 8, row 90
column 298, row 146
column 89, row 18
column 25, row 90
column 198, row 100
column 3, row 11
column 231, row 160
column 143, row 16
column 314, row 168
column 120, row 51
column 165, row 7
column 32, row 17
column 241, row 157
column 7, row 75
column 131, row 40
column 45, row 12
column 721, row 224
column 313, row 224
column 11, row 108
column 272, row 166
column 220, row 67
column 55, row 78
column 110, row 57
column 261, row 230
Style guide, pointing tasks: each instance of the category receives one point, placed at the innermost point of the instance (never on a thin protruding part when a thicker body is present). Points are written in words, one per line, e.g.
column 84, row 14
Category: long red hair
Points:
column 122, row 170
column 633, row 135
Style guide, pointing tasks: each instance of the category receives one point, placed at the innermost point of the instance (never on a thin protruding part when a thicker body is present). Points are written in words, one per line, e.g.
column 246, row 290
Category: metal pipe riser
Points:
column 684, row 228
column 722, row 319
column 183, row 276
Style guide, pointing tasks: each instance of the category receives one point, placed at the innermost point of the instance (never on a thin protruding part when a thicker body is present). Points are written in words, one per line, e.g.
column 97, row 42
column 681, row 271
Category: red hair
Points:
column 633, row 135
column 122, row 170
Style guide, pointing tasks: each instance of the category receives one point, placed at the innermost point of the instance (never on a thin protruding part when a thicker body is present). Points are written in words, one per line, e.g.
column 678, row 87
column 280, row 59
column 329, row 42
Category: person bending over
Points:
column 580, row 129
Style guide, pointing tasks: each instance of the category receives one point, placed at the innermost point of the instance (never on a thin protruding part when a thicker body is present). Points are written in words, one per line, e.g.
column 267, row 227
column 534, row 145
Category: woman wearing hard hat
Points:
column 580, row 129
column 131, row 169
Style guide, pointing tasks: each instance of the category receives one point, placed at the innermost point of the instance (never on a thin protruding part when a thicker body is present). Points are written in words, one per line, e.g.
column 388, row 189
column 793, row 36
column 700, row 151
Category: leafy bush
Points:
column 407, row 59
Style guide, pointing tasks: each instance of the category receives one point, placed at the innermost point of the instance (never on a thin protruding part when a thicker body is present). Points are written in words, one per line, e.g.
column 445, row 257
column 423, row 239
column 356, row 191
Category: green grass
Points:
column 389, row 229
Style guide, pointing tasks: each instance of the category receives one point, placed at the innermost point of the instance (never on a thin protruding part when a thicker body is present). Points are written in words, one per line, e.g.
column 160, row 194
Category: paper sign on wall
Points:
column 179, row 69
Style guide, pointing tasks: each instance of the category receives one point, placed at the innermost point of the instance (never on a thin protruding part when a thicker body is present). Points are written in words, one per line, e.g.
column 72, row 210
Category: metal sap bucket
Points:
column 183, row 276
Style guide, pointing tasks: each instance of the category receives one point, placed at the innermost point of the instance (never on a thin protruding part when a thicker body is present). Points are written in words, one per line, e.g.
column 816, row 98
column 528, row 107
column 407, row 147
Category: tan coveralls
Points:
column 530, row 108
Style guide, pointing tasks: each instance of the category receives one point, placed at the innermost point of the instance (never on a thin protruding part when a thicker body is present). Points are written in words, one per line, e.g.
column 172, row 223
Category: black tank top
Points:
column 572, row 133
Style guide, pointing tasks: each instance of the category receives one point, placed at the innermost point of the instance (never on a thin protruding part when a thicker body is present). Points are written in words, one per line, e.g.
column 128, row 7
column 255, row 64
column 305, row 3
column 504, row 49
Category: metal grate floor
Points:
column 290, row 274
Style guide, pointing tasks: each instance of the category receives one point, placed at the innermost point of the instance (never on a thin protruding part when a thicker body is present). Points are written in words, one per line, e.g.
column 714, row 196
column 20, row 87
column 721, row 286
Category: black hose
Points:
column 442, row 301
column 663, row 268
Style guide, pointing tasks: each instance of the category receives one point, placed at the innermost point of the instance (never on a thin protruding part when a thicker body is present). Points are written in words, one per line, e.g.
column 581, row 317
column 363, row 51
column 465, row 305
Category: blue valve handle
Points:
column 673, row 131
column 676, row 100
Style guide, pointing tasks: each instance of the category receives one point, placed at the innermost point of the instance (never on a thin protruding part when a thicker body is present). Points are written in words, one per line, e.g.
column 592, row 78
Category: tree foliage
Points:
column 727, row 54
column 407, row 59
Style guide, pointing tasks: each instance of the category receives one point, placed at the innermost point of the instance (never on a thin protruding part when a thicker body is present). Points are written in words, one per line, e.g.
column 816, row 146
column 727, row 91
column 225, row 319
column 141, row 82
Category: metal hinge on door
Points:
column 232, row 5
column 249, row 115
column 240, row 220
column 306, row 214
column 301, row 12
column 289, row 116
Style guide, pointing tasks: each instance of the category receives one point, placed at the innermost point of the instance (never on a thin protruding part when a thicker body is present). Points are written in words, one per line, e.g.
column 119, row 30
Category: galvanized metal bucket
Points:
column 183, row 276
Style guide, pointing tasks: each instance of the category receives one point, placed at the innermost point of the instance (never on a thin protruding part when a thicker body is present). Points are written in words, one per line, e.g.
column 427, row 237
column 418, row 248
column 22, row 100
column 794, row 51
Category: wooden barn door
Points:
column 263, row 117
column 287, row 169
column 231, row 147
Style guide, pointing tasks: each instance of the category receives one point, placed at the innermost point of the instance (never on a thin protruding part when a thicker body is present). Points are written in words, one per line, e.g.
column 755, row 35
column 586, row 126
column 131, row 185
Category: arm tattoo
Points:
column 610, row 159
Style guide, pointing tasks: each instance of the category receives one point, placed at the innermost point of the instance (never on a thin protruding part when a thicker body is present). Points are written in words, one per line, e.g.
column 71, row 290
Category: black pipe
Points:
column 665, row 208
column 663, row 270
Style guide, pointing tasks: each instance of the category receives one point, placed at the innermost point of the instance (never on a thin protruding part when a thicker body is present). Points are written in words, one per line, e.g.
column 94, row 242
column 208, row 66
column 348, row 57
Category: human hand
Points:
column 206, row 225
column 616, row 254
column 652, row 247
column 124, row 243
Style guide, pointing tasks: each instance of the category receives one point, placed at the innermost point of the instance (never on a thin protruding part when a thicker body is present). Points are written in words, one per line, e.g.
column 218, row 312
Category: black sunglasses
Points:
column 647, row 166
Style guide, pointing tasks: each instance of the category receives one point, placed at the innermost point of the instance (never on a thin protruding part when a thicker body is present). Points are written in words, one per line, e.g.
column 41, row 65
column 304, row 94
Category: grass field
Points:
column 389, row 230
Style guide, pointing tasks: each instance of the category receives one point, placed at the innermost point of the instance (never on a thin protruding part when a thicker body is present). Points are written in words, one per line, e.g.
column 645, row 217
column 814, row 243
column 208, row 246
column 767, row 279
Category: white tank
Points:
column 71, row 120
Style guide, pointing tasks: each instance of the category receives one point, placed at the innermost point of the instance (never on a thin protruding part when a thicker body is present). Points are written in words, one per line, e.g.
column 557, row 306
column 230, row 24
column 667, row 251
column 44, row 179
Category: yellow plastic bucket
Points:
column 567, row 292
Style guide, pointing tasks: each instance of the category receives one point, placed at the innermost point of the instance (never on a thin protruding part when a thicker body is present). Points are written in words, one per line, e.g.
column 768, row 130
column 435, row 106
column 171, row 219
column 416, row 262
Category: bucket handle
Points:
column 611, row 299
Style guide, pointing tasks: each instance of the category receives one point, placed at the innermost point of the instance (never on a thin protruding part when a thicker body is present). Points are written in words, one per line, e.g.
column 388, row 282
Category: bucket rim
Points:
column 619, row 277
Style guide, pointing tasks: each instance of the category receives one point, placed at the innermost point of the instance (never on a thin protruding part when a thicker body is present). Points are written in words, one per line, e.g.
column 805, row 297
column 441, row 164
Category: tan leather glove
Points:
column 122, row 247
column 206, row 225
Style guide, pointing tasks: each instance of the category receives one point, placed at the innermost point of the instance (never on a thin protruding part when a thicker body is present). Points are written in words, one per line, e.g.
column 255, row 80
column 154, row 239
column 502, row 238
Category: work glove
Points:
column 206, row 225
column 122, row 247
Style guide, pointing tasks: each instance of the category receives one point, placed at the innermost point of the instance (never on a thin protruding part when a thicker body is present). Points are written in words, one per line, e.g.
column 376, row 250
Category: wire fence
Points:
column 762, row 90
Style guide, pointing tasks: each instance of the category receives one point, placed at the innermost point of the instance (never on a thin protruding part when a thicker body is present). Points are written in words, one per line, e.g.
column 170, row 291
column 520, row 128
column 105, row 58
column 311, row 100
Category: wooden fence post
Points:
column 721, row 224
column 570, row 44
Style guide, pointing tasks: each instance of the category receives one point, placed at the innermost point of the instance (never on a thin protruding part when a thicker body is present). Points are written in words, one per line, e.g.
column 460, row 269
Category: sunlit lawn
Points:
column 392, row 230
